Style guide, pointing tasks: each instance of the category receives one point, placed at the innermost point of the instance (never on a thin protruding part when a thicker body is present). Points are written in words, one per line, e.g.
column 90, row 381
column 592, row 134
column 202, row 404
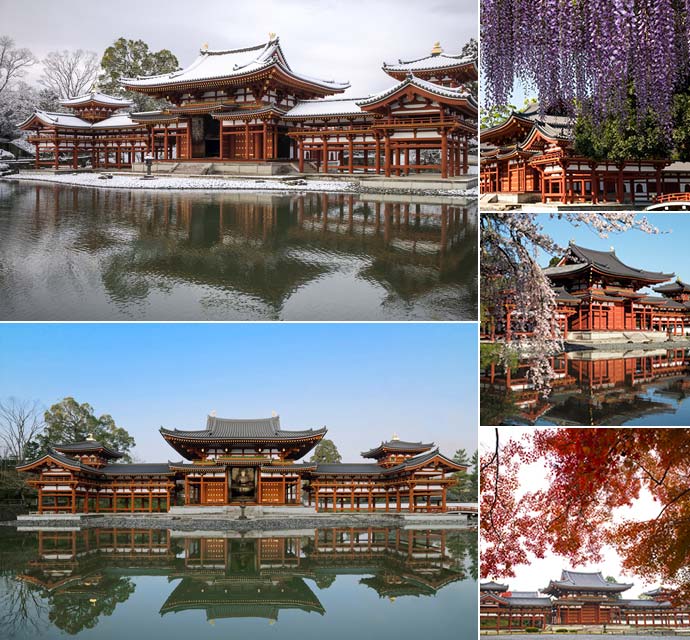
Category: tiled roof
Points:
column 244, row 429
column 593, row 581
column 492, row 586
column 674, row 287
column 356, row 468
column 145, row 468
column 397, row 445
column 605, row 261
column 221, row 64
column 96, row 96
column 431, row 87
column 334, row 107
column 440, row 61
column 87, row 445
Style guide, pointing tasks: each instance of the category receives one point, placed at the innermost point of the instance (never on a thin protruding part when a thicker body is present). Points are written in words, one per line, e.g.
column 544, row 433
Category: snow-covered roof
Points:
column 58, row 119
column 335, row 107
column 431, row 62
column 96, row 96
column 115, row 122
column 70, row 121
column 220, row 64
column 431, row 87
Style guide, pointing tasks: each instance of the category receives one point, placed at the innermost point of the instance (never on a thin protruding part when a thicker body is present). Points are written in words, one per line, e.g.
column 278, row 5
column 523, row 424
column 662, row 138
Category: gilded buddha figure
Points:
column 243, row 482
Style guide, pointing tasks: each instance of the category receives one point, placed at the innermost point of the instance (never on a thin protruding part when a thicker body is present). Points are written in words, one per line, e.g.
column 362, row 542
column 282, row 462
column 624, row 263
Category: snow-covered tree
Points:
column 13, row 62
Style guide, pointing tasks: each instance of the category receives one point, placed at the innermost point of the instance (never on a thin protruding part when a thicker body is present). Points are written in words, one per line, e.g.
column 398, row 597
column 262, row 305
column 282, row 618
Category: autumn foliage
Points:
column 591, row 473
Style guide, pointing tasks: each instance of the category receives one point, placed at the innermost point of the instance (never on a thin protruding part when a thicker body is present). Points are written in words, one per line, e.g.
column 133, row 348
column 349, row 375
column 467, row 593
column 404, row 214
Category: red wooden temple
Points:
column 530, row 157
column 578, row 598
column 249, row 106
column 242, row 462
column 95, row 130
column 599, row 297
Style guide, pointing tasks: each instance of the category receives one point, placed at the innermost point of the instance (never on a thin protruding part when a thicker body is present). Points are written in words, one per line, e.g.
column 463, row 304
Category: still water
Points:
column 329, row 583
column 637, row 388
column 70, row 253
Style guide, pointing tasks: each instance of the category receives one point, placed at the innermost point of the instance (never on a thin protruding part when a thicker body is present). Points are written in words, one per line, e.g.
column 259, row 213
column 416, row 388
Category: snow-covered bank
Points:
column 201, row 183
column 119, row 181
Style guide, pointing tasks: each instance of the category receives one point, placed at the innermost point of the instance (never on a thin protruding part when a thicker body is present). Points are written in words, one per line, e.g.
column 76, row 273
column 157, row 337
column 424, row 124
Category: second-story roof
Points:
column 580, row 258
column 256, row 429
column 584, row 581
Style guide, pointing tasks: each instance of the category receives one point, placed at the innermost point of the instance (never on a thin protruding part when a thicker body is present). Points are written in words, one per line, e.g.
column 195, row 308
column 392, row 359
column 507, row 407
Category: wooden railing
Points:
column 671, row 197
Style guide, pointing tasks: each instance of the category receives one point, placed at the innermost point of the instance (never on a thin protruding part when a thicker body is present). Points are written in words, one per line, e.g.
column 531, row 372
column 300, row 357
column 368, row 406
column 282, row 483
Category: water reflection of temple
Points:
column 265, row 245
column 593, row 387
column 91, row 570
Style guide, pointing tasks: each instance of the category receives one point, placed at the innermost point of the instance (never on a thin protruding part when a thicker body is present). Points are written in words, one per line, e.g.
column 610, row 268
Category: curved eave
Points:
column 522, row 123
column 409, row 85
column 400, row 72
column 436, row 459
column 110, row 452
column 539, row 132
column 661, row 277
column 331, row 116
column 316, row 435
column 76, row 466
column 271, row 66
column 383, row 450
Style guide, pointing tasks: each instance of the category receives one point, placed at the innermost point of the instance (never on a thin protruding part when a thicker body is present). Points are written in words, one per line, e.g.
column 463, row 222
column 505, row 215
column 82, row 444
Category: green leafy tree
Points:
column 620, row 137
column 326, row 451
column 681, row 121
column 68, row 421
column 129, row 59
column 466, row 482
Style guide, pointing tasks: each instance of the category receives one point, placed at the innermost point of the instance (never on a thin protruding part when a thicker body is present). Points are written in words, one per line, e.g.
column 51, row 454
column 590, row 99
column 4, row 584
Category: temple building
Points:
column 249, row 106
column 530, row 157
column 95, row 128
column 241, row 462
column 577, row 598
column 599, row 297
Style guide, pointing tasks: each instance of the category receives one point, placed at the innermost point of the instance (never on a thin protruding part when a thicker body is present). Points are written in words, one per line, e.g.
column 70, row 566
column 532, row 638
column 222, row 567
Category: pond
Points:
column 592, row 388
column 327, row 583
column 73, row 253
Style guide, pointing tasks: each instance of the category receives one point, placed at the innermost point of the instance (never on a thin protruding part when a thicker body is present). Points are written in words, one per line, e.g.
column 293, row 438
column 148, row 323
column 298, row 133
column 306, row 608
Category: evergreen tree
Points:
column 68, row 421
column 129, row 59
column 326, row 451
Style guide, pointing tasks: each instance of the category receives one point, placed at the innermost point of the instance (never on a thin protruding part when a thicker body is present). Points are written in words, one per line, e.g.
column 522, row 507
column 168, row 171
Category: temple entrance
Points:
column 242, row 484
column 284, row 147
column 205, row 132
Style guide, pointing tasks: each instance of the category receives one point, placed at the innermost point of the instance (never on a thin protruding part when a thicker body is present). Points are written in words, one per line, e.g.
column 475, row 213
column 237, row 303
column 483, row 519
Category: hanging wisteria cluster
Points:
column 587, row 54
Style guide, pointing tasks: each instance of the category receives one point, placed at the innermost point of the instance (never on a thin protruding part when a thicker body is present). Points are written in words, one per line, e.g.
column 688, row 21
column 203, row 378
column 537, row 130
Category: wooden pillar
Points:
column 220, row 140
column 300, row 152
column 465, row 156
column 387, row 156
column 324, row 151
column 444, row 154
column 377, row 161
column 350, row 159
column 246, row 140
column 166, row 150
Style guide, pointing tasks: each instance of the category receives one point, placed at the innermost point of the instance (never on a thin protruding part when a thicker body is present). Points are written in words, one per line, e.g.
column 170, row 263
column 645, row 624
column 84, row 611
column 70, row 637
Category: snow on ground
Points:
column 461, row 192
column 6, row 155
column 170, row 182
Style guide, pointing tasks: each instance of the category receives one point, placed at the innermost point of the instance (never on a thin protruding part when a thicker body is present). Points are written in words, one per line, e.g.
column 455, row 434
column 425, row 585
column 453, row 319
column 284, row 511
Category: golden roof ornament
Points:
column 90, row 437
column 395, row 437
column 437, row 50
column 205, row 46
column 271, row 36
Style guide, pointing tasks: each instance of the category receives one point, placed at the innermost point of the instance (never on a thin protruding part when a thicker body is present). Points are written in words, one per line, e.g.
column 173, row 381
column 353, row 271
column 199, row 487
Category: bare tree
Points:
column 13, row 61
column 20, row 422
column 70, row 73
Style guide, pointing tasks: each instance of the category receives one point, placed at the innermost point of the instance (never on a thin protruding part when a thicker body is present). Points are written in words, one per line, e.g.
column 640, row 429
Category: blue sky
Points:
column 363, row 381
column 666, row 252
